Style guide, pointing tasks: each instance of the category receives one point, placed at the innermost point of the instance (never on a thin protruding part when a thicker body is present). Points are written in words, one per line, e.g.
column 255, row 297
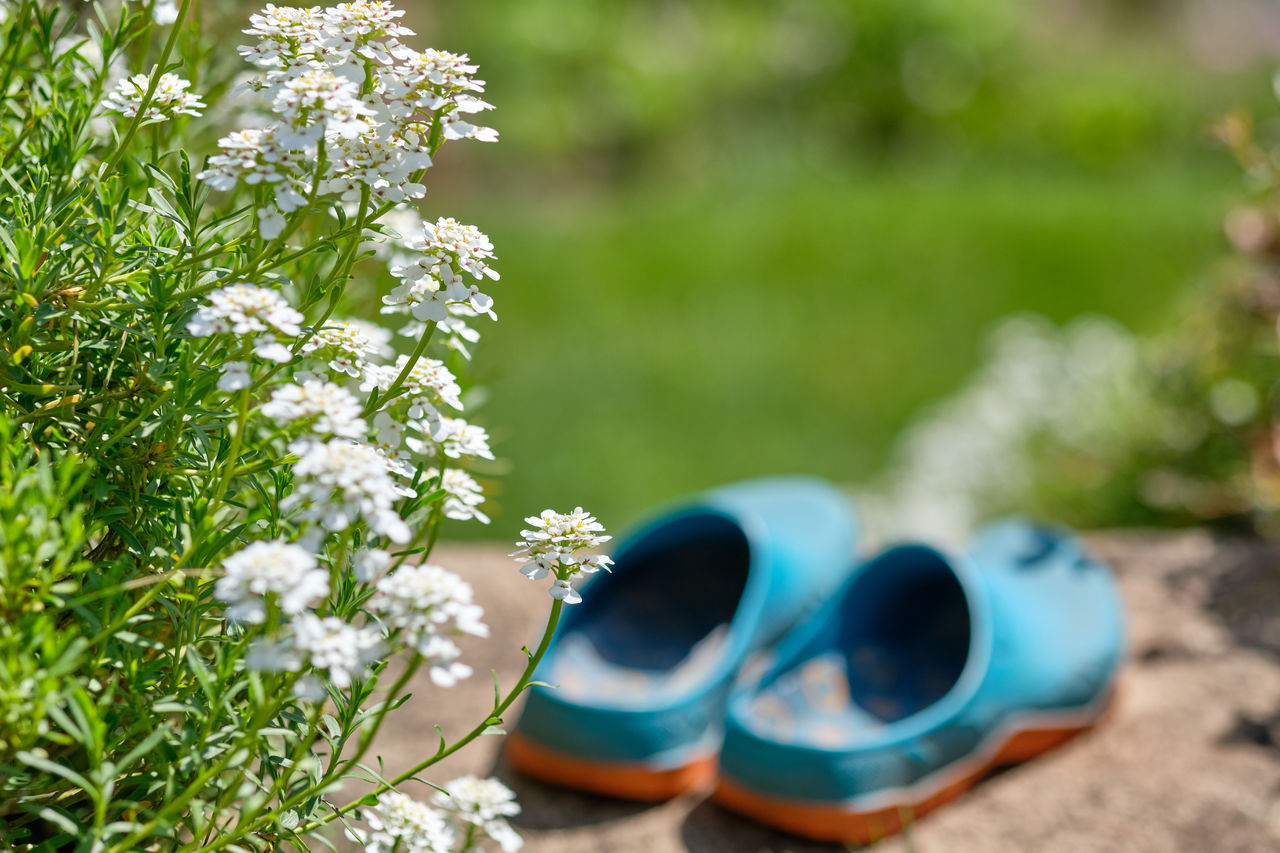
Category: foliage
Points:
column 217, row 499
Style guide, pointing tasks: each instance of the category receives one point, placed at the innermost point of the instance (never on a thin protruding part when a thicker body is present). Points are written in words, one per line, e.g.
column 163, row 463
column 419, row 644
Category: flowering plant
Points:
column 217, row 498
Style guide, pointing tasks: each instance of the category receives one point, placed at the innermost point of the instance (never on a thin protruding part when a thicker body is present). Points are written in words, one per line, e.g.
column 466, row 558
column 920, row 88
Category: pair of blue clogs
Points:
column 734, row 642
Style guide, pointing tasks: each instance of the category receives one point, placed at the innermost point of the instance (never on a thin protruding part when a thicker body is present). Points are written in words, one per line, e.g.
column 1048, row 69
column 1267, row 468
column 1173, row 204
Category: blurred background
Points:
column 938, row 251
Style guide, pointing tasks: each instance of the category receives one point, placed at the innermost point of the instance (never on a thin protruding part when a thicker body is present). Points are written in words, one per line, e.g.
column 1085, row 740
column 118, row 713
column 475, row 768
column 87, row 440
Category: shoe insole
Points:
column 901, row 648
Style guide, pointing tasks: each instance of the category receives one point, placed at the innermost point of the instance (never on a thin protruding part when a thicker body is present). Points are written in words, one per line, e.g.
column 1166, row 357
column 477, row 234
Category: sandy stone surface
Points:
column 1190, row 760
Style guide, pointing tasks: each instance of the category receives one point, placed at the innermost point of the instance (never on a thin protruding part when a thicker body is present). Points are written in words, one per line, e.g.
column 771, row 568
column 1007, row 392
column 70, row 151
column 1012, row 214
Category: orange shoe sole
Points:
column 847, row 825
column 628, row 781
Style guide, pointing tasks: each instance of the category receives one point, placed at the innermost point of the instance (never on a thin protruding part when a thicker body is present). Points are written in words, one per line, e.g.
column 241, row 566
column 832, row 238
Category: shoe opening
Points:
column 906, row 633
column 659, row 624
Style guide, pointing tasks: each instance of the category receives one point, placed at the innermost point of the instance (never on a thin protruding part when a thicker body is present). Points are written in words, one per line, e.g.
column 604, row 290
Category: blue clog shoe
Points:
column 644, row 666
column 925, row 672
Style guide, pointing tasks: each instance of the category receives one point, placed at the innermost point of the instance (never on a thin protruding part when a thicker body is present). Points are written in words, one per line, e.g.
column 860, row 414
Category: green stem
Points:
column 342, row 765
column 552, row 620
column 391, row 392
column 262, row 821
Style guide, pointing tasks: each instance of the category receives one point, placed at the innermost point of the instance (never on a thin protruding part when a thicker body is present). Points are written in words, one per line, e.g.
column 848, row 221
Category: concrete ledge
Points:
column 1189, row 762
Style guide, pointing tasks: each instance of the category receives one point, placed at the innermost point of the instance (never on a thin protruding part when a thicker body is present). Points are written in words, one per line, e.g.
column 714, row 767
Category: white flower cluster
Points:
column 169, row 99
column 398, row 824
column 330, row 409
column 473, row 808
column 270, row 571
column 427, row 385
column 326, row 644
column 263, row 574
column 348, row 345
column 1080, row 387
column 555, row 545
column 332, row 646
column 248, row 310
column 339, row 481
column 429, row 603
column 462, row 495
column 339, row 80
column 485, row 804
column 432, row 277
column 456, row 438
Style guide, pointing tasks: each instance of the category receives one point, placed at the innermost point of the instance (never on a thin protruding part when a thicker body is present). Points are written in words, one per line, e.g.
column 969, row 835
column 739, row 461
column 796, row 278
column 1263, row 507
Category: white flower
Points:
column 359, row 25
column 235, row 376
column 165, row 12
column 334, row 409
column 268, row 655
column 424, row 298
column 246, row 309
column 387, row 165
column 428, row 384
column 428, row 602
column 564, row 591
column 555, row 544
column 259, row 155
column 347, row 346
column 457, row 128
column 340, row 481
column 340, row 80
column 455, row 326
column 169, row 99
column 442, row 656
column 463, row 495
column 446, row 72
column 317, row 101
column 390, row 432
column 270, row 223
column 485, row 804
column 398, row 824
column 287, row 35
column 458, row 438
column 285, row 571
column 332, row 646
column 370, row 564
column 450, row 241
column 378, row 338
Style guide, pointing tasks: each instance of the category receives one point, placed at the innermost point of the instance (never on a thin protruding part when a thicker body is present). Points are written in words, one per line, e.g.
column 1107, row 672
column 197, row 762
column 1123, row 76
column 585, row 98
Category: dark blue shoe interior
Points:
column 899, row 645
column 657, row 626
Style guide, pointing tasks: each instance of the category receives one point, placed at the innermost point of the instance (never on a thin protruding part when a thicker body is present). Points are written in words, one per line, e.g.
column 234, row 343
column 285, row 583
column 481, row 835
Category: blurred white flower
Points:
column 341, row 651
column 370, row 564
column 485, row 804
column 164, row 12
column 235, row 376
column 971, row 454
column 463, row 495
column 331, row 409
column 347, row 345
column 339, row 481
column 398, row 824
column 285, row 571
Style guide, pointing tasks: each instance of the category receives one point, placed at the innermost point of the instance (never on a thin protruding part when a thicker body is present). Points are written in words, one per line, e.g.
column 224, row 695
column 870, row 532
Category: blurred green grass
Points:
column 670, row 337
column 742, row 239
